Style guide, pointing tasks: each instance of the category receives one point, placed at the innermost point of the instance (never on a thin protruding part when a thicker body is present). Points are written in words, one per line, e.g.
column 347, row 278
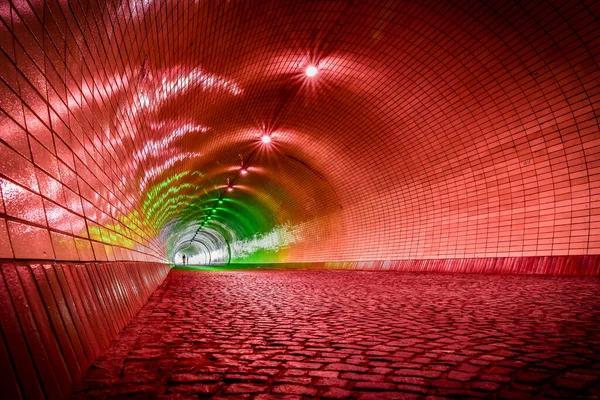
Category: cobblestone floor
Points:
column 366, row 335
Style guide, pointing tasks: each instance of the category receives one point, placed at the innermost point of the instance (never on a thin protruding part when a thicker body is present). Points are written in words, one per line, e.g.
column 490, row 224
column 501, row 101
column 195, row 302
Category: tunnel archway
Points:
column 419, row 130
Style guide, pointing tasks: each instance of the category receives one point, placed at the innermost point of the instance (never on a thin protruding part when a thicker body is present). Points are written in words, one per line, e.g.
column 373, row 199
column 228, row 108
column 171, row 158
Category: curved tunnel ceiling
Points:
column 429, row 130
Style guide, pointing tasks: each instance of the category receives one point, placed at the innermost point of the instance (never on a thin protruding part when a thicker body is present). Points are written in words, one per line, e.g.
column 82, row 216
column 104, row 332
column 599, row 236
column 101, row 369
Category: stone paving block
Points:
column 408, row 380
column 191, row 378
column 294, row 380
column 381, row 370
column 331, row 382
column 295, row 389
column 295, row 372
column 447, row 384
column 241, row 388
column 345, row 367
column 486, row 386
column 302, row 365
column 269, row 372
column 416, row 372
column 461, row 376
column 374, row 386
column 412, row 389
column 362, row 377
column 324, row 374
column 337, row 393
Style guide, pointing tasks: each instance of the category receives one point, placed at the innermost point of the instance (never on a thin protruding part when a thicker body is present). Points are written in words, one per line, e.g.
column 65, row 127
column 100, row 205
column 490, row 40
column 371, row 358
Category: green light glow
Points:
column 253, row 224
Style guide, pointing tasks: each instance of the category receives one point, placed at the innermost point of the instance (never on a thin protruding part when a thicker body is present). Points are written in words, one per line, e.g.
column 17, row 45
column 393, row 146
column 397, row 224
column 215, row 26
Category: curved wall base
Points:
column 551, row 265
column 56, row 319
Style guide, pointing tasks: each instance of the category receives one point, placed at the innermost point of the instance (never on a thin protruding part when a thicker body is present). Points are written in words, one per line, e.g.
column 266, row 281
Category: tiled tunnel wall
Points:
column 432, row 130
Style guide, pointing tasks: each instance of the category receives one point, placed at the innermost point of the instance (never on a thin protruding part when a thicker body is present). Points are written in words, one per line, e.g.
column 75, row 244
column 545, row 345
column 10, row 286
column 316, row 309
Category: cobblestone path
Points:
column 351, row 334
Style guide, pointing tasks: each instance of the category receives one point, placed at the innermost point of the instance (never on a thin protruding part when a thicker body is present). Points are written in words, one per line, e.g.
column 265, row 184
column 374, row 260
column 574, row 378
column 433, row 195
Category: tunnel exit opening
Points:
column 207, row 247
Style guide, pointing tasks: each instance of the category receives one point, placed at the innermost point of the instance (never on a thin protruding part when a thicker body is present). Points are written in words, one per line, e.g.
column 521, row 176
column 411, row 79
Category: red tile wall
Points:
column 55, row 319
column 434, row 129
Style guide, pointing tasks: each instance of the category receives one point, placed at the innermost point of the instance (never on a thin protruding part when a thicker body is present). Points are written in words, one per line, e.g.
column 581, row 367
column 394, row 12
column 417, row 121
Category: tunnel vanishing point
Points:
column 285, row 199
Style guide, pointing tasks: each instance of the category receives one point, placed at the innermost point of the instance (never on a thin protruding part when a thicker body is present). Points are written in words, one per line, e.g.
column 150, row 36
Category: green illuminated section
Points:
column 186, row 207
column 243, row 217
column 163, row 201
column 191, row 208
column 154, row 191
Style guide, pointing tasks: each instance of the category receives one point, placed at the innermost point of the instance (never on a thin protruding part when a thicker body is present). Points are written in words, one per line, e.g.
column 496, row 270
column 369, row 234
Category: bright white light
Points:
column 311, row 71
column 230, row 188
column 244, row 171
column 279, row 238
column 266, row 139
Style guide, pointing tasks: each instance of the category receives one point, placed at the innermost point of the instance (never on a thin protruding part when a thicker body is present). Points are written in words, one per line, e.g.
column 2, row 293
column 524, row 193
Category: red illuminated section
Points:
column 320, row 131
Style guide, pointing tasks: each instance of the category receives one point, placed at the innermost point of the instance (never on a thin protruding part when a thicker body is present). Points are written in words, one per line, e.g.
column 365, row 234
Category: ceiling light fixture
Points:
column 311, row 71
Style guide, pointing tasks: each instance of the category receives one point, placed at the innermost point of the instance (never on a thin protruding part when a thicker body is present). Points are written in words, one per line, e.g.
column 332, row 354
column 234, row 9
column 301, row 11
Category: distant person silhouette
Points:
column 183, row 258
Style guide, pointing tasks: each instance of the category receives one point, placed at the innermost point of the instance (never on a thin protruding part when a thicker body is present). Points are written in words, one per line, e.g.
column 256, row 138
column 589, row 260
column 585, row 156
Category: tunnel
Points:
column 288, row 199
